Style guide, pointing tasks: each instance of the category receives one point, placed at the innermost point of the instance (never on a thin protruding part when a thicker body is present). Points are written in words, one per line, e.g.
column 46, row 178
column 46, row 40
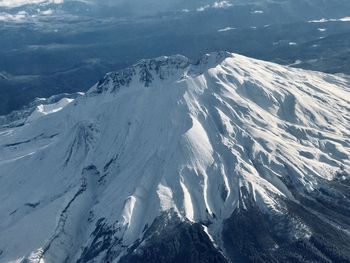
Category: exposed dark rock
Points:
column 169, row 239
column 32, row 205
column 102, row 240
column 253, row 236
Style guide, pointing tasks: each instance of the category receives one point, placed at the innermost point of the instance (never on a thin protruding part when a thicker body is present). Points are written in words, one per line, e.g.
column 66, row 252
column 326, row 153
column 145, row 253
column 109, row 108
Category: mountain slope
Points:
column 224, row 159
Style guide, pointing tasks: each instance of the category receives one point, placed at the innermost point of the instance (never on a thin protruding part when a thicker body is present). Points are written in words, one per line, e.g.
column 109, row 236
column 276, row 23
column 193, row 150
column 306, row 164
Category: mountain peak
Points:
column 147, row 70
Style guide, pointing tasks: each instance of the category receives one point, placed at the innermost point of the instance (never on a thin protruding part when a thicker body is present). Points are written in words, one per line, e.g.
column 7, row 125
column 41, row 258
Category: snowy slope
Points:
column 168, row 134
column 37, row 108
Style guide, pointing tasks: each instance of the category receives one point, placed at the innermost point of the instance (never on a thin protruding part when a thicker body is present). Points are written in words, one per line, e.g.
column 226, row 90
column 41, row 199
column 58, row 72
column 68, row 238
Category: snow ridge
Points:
column 147, row 70
column 39, row 107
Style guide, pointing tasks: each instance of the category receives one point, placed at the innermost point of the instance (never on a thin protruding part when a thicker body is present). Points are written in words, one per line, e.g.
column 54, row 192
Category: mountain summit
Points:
column 227, row 159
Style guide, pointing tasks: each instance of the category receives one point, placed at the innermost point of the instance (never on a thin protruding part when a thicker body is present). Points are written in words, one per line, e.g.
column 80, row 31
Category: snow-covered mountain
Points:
column 39, row 107
column 223, row 159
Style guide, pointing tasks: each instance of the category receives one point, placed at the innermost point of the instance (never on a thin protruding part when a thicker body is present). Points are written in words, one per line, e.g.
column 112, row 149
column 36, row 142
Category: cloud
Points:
column 17, row 3
column 215, row 5
column 46, row 12
column 22, row 16
column 226, row 29
column 324, row 20
column 19, row 17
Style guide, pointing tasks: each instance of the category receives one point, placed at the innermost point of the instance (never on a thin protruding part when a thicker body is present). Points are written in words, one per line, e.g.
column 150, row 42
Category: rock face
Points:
column 227, row 159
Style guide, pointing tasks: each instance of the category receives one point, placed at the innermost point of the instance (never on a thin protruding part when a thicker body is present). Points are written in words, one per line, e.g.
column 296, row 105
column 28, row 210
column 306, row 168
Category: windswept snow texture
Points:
column 167, row 134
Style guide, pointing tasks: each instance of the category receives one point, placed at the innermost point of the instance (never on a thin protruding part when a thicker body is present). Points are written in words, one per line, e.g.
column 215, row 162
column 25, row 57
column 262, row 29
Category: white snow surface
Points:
column 189, row 139
column 43, row 109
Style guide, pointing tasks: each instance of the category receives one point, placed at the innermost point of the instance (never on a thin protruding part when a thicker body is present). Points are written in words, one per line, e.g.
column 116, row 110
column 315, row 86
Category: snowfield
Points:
column 197, row 138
